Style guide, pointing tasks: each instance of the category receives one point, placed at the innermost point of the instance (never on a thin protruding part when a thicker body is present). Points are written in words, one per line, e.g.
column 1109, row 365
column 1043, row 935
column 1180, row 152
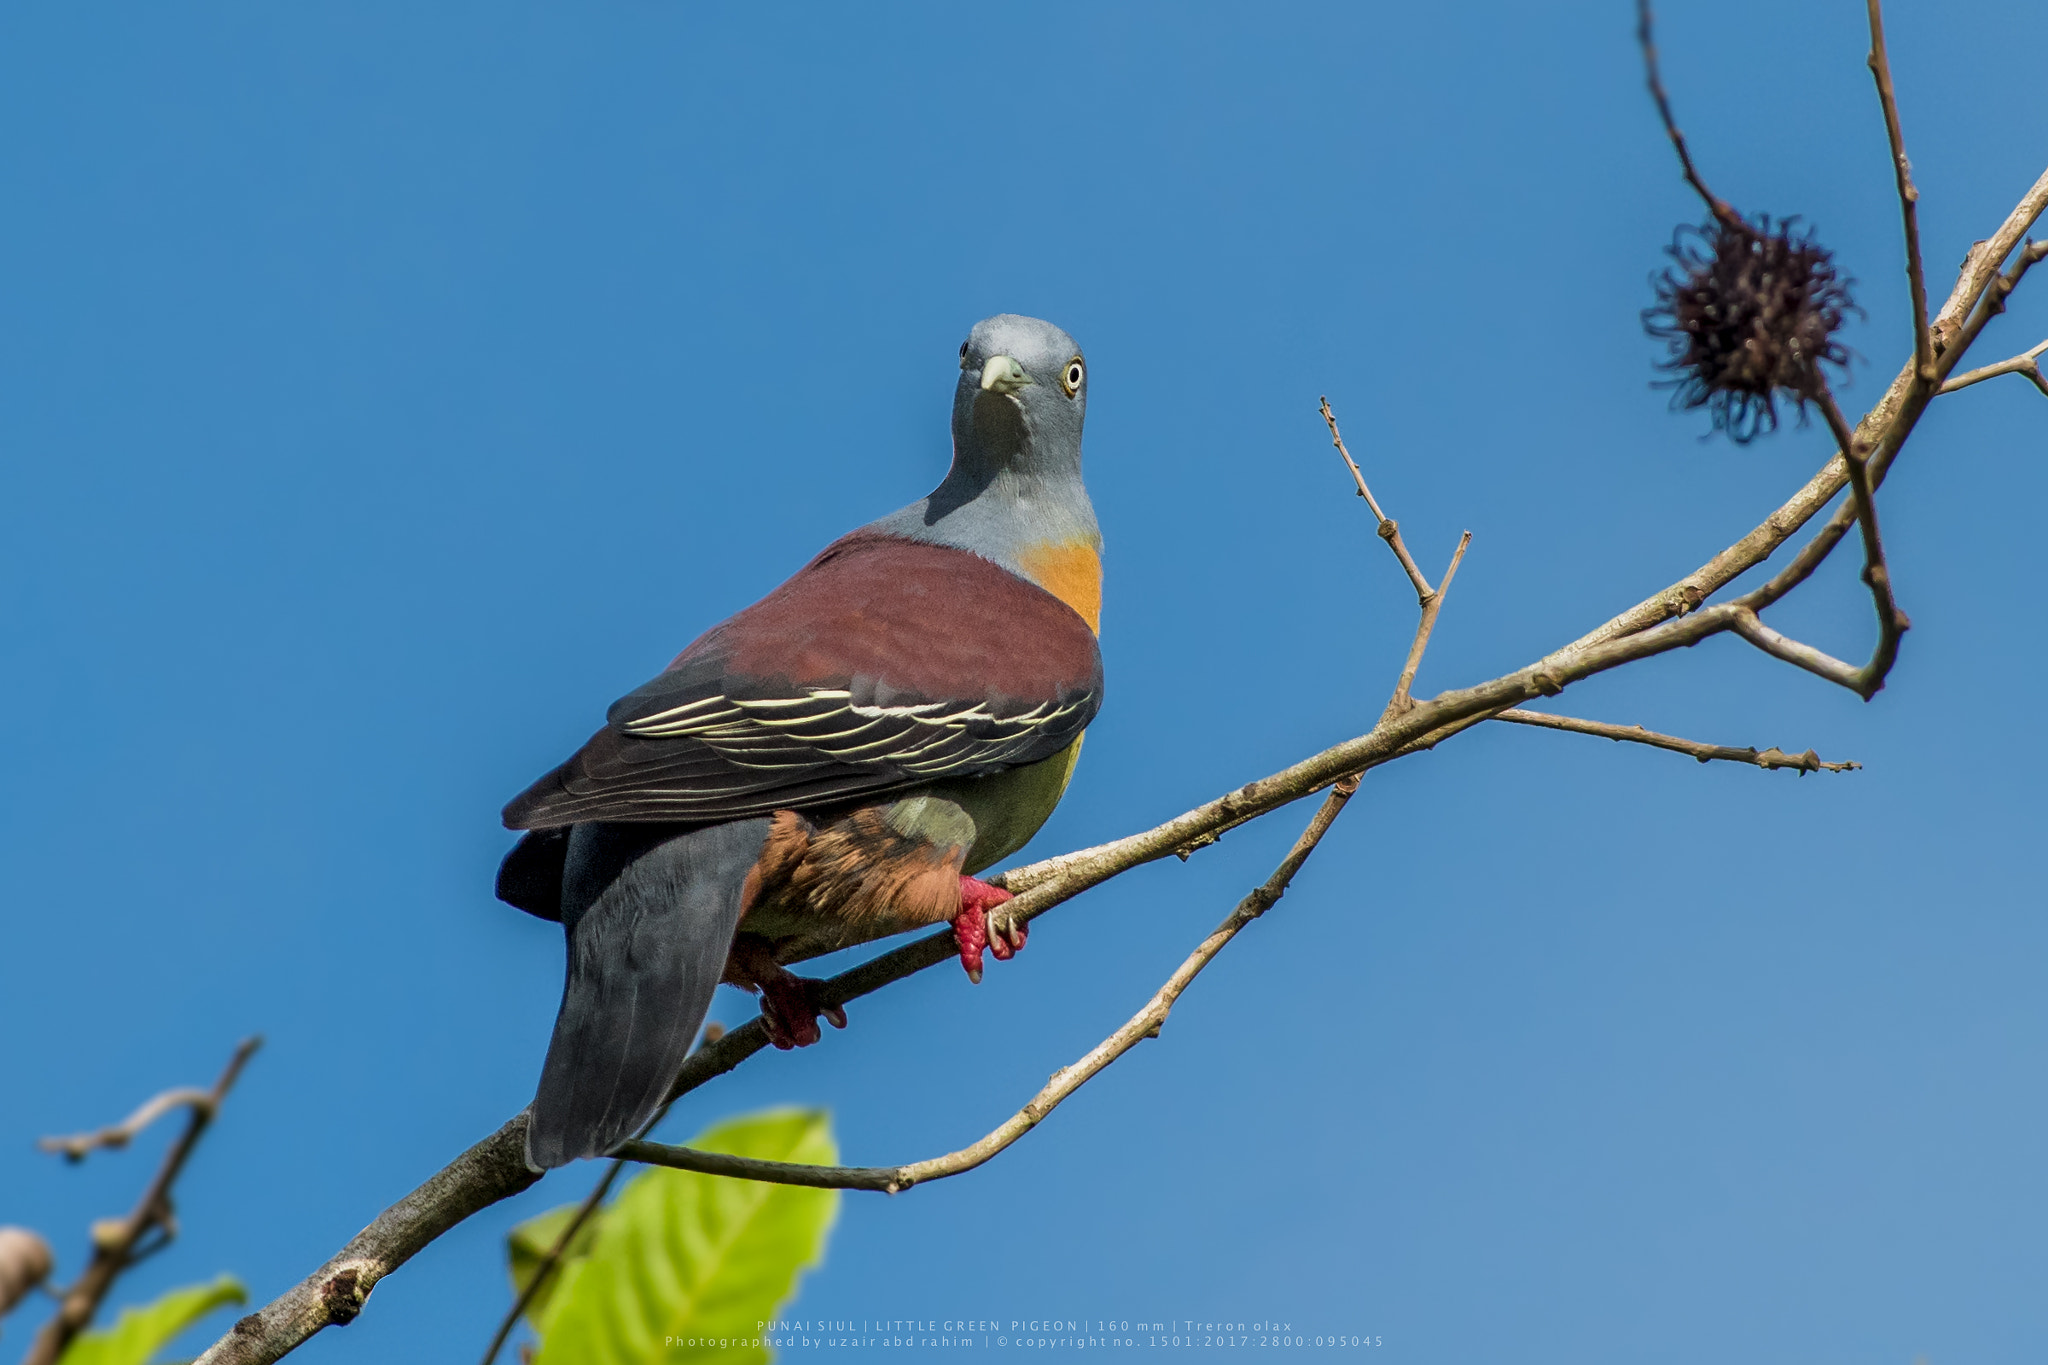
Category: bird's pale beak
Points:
column 1003, row 375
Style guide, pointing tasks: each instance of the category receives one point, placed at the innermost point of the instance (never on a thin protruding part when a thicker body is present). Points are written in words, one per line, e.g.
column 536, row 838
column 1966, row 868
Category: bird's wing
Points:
column 885, row 664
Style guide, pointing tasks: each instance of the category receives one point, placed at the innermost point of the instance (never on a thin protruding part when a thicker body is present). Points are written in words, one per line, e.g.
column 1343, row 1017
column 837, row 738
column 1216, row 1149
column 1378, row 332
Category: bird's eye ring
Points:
column 1070, row 377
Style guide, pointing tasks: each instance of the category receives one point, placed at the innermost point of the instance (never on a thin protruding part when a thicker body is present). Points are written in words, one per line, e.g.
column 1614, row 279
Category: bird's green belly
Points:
column 990, row 817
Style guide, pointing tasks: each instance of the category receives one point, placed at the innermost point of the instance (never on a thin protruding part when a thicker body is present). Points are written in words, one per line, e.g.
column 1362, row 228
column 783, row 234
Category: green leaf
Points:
column 140, row 1333
column 685, row 1266
column 531, row 1241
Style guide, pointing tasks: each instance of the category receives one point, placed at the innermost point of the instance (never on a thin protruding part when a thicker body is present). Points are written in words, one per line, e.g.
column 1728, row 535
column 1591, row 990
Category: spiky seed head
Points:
column 1750, row 311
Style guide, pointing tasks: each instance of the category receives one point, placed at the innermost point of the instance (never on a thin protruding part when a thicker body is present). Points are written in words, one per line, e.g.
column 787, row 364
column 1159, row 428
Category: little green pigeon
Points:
column 830, row 765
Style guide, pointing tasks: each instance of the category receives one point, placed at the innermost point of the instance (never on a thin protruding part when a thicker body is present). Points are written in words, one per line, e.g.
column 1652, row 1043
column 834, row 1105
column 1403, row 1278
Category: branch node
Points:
column 344, row 1294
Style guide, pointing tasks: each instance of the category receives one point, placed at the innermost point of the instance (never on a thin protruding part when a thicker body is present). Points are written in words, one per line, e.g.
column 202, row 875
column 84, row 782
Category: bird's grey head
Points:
column 1016, row 475
column 1022, row 394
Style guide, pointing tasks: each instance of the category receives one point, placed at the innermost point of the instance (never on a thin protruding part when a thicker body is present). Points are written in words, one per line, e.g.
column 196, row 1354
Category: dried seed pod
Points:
column 1750, row 311
column 25, row 1262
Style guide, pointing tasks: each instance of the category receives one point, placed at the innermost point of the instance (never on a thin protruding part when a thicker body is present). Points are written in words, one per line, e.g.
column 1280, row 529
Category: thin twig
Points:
column 1672, row 618
column 546, row 1268
column 1909, row 196
column 1750, row 627
column 1146, row 1023
column 115, row 1244
column 1891, row 622
column 551, row 1259
column 1768, row 759
column 1431, row 606
column 1389, row 529
column 75, row 1146
column 2027, row 362
column 1718, row 206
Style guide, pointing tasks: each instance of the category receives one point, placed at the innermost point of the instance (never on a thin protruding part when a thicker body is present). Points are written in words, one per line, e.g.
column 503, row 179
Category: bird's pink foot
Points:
column 790, row 1004
column 790, row 1008
column 973, row 931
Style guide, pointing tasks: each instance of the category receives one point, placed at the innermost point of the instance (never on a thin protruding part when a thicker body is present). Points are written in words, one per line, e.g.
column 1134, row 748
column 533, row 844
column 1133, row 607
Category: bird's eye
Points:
column 1070, row 377
column 963, row 353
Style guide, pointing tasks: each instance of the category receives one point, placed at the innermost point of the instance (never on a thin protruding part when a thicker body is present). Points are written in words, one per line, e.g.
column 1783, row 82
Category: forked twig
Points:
column 1891, row 622
column 1431, row 606
column 118, row 1243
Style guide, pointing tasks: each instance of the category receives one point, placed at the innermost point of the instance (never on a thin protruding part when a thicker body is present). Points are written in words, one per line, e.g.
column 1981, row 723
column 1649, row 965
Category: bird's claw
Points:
column 975, row 930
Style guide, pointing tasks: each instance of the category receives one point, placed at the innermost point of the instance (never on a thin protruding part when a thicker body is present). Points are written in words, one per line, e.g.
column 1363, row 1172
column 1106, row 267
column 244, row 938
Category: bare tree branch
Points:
column 2027, row 362
column 117, row 1242
column 1909, row 197
column 1671, row 619
column 1146, row 1023
column 334, row 1295
column 1768, row 759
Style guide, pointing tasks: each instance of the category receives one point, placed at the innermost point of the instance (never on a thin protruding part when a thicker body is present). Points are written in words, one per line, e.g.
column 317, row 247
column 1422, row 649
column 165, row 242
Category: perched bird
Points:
column 830, row 765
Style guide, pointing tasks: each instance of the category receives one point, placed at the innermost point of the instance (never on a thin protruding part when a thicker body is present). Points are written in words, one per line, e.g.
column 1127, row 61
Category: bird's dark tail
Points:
column 650, row 915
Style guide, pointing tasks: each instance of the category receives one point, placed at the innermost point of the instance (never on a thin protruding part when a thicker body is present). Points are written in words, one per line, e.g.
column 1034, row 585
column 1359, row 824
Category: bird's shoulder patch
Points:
column 1070, row 570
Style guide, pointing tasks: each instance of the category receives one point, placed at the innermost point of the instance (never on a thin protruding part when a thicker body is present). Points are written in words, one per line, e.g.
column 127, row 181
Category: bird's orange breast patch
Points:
column 1071, row 571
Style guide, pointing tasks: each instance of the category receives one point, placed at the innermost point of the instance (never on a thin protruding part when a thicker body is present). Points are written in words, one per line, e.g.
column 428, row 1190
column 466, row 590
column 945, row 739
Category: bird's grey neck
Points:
column 999, row 512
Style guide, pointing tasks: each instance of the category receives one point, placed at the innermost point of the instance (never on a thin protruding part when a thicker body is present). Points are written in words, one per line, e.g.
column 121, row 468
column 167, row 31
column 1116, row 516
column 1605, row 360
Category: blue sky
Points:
column 384, row 389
